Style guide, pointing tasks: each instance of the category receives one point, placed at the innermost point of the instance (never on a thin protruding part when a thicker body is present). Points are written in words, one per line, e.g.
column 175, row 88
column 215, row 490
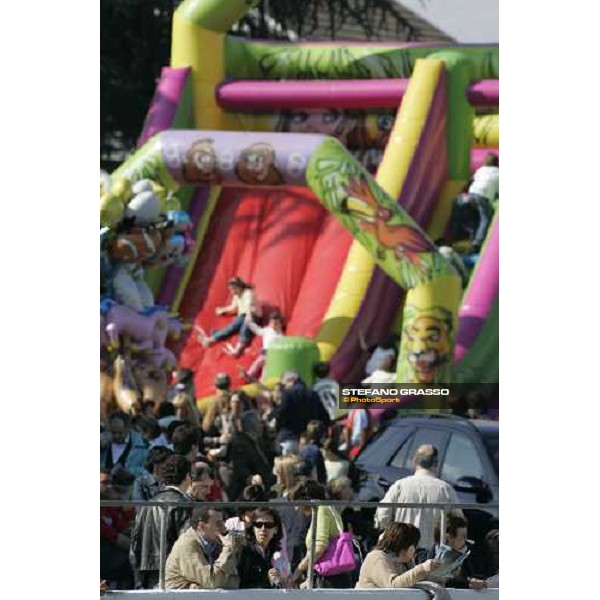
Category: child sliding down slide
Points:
column 269, row 334
column 243, row 303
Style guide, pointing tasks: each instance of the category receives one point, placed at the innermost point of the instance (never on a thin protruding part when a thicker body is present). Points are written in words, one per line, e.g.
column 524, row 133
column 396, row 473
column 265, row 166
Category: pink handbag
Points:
column 338, row 557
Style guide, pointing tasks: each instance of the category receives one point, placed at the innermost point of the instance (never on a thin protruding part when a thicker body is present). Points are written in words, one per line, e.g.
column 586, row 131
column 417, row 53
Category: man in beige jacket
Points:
column 203, row 558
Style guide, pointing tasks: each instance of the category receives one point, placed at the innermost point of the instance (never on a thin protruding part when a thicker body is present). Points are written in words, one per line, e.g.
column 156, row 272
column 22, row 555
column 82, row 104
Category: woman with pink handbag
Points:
column 334, row 552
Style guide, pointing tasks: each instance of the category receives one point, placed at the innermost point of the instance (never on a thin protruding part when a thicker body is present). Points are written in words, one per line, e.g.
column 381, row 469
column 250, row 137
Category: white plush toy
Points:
column 125, row 287
column 146, row 295
column 130, row 287
column 145, row 205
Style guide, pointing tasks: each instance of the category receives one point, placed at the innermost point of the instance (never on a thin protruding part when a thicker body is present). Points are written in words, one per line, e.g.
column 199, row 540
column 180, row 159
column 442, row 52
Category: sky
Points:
column 467, row 21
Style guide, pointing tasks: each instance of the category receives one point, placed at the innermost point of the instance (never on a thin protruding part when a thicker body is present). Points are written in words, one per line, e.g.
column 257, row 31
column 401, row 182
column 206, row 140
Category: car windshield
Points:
column 492, row 442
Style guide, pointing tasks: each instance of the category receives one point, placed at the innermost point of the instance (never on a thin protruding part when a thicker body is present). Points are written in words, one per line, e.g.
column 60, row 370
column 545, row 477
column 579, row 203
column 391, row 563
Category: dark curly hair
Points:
column 175, row 469
column 156, row 456
column 165, row 409
column 184, row 437
column 119, row 415
column 275, row 543
column 252, row 493
column 308, row 490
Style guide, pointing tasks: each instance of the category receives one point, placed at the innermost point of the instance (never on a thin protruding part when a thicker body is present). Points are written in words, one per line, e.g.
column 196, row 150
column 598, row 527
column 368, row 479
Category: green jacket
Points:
column 329, row 524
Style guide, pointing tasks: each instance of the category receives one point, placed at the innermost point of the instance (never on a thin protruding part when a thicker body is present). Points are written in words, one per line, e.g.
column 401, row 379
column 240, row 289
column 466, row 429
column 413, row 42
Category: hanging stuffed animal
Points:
column 171, row 251
column 125, row 289
column 125, row 389
column 144, row 208
column 108, row 403
column 144, row 291
column 161, row 358
column 114, row 196
column 136, row 245
column 182, row 223
column 147, row 332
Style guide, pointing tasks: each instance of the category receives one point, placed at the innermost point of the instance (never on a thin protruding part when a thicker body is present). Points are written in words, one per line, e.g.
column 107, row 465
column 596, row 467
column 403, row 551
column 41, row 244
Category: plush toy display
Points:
column 142, row 226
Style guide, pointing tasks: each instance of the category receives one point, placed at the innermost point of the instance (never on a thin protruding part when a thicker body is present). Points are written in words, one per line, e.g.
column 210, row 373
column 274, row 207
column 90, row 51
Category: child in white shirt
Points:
column 269, row 334
column 486, row 180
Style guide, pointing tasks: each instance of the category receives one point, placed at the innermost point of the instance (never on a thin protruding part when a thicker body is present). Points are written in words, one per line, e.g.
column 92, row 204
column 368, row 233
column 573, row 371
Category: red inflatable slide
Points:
column 281, row 241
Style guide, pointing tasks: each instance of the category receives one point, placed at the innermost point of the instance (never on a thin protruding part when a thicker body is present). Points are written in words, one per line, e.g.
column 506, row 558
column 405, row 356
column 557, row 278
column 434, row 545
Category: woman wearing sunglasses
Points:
column 261, row 563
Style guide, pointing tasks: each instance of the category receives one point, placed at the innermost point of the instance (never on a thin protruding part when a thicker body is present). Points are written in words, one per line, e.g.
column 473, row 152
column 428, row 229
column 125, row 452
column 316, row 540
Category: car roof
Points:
column 483, row 425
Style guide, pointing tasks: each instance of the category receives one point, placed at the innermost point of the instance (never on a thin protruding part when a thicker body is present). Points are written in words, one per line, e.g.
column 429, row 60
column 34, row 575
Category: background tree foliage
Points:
column 135, row 42
column 327, row 18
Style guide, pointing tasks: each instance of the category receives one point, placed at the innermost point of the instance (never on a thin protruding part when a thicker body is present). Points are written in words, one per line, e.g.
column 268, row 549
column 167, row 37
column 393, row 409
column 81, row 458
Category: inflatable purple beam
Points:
column 344, row 93
column 480, row 295
column 478, row 156
column 163, row 107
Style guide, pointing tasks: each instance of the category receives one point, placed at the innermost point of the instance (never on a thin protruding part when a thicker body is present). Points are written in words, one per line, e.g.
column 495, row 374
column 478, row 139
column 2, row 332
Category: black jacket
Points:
column 247, row 458
column 296, row 525
column 312, row 453
column 145, row 537
column 253, row 568
column 299, row 405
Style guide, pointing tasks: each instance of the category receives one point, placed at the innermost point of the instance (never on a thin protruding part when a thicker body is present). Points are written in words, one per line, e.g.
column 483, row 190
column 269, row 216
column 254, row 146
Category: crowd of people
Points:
column 283, row 445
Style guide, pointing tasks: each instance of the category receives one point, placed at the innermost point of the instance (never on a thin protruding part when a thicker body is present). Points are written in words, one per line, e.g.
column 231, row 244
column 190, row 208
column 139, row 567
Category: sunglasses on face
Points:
column 263, row 525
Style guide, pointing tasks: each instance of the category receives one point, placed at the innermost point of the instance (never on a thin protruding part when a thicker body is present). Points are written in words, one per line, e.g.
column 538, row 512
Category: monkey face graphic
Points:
column 200, row 163
column 256, row 166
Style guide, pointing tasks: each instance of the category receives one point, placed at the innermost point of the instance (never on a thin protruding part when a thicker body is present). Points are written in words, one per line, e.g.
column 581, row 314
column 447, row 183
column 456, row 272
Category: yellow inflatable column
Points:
column 399, row 153
column 441, row 214
column 202, row 50
column 486, row 131
column 199, row 27
column 428, row 332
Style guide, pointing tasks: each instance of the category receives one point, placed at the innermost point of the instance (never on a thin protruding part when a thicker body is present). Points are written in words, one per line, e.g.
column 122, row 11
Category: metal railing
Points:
column 313, row 504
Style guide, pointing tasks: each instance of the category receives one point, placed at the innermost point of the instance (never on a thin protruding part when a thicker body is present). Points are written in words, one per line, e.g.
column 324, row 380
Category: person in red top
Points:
column 216, row 492
column 357, row 431
column 205, row 484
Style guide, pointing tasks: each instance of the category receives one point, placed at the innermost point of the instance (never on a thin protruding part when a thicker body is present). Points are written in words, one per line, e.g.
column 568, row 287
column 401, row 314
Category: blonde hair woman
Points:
column 285, row 471
column 295, row 523
column 216, row 406
column 185, row 408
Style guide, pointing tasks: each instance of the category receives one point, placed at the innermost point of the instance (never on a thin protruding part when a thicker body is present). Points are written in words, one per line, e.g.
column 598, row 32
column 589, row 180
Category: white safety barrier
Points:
column 396, row 594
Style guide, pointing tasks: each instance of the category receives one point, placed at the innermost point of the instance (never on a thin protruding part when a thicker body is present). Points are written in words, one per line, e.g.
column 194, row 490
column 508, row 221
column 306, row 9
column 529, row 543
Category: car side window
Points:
column 380, row 450
column 401, row 460
column 461, row 460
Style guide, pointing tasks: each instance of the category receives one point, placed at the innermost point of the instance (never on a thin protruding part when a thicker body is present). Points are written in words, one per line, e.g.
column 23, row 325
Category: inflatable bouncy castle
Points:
column 321, row 173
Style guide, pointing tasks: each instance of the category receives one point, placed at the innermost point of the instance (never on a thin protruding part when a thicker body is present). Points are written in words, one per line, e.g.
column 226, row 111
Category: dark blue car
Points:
column 468, row 460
